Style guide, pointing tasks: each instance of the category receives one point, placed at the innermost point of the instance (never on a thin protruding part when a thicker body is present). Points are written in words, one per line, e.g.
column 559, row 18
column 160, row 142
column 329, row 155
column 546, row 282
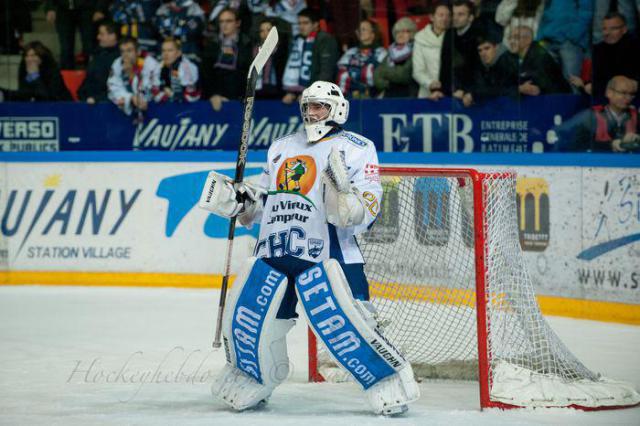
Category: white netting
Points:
column 420, row 258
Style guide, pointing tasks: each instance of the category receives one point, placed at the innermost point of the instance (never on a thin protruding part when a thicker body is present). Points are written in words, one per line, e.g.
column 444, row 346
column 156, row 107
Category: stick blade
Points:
column 265, row 51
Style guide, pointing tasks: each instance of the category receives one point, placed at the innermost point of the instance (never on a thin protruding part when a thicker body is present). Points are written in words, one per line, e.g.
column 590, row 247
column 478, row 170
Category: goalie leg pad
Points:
column 255, row 342
column 241, row 391
column 348, row 328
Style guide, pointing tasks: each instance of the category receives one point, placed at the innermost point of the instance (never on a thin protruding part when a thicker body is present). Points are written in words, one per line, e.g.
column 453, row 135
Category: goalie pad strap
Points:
column 342, row 325
column 249, row 326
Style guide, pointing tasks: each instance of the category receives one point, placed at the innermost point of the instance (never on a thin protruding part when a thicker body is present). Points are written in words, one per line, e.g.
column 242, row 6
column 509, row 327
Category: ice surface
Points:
column 89, row 355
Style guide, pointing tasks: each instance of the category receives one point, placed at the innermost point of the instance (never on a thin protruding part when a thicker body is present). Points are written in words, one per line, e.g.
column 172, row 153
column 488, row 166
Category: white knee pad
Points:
column 349, row 330
column 254, row 340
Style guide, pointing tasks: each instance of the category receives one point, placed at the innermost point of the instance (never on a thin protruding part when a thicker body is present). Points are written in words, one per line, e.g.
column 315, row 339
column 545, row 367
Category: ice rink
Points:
column 94, row 355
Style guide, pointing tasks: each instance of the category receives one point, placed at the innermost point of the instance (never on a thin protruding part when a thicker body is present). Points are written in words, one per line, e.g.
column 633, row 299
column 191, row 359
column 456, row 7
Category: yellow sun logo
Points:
column 52, row 181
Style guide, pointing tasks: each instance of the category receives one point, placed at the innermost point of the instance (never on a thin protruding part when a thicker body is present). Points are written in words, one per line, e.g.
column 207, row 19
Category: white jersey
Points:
column 123, row 86
column 293, row 219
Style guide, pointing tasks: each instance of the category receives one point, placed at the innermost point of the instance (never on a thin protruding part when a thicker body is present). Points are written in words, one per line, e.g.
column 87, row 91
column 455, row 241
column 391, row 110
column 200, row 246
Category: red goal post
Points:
column 450, row 285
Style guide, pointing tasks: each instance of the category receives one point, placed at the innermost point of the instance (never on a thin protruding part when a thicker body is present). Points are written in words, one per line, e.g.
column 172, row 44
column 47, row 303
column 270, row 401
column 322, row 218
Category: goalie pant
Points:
column 293, row 267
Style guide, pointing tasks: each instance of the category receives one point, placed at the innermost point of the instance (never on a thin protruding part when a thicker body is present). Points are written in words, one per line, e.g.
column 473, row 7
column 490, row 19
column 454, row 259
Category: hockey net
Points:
column 452, row 291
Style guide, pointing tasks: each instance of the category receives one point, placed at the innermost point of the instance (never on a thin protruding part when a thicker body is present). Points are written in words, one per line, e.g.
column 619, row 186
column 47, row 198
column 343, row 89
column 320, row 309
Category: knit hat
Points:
column 404, row 24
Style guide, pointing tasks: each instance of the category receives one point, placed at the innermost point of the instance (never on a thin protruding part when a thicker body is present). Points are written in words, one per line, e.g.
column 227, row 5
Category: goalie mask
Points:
column 323, row 108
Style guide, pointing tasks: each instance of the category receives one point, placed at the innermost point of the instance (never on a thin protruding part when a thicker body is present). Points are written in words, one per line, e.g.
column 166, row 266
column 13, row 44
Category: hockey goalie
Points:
column 319, row 189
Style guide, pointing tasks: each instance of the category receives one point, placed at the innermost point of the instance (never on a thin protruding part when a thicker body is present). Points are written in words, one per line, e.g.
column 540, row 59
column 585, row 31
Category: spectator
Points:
column 459, row 55
column 219, row 5
column 69, row 16
column 497, row 74
column 386, row 10
column 101, row 12
column 344, row 15
column 131, row 78
column 519, row 13
column 312, row 56
column 630, row 9
column 564, row 31
column 540, row 74
column 94, row 86
column 135, row 18
column 269, row 85
column 288, row 10
column 244, row 11
column 226, row 61
column 16, row 19
column 252, row 12
column 183, row 20
column 39, row 77
column 393, row 77
column 427, row 53
column 177, row 80
column 486, row 19
column 390, row 10
column 616, row 55
column 607, row 128
column 356, row 66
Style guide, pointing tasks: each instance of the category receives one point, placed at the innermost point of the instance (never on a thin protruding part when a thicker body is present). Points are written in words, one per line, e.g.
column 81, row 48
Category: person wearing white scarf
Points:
column 426, row 54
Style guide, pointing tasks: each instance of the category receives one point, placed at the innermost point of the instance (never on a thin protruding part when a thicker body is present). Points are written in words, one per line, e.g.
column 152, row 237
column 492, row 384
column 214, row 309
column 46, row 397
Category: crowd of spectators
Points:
column 471, row 50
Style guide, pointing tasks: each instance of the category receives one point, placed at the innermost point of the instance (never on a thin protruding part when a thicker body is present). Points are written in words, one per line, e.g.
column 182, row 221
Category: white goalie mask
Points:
column 330, row 96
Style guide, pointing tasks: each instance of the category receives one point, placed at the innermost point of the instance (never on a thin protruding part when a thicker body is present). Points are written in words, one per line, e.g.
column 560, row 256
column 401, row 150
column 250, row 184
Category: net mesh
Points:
column 420, row 263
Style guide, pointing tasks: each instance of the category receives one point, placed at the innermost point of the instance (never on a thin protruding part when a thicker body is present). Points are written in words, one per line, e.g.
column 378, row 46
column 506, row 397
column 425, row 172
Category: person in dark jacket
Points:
column 269, row 85
column 313, row 55
column 39, row 77
column 69, row 15
column 16, row 20
column 135, row 18
column 485, row 19
column 94, row 86
column 459, row 54
column 497, row 74
column 183, row 20
column 616, row 55
column 539, row 72
column 226, row 61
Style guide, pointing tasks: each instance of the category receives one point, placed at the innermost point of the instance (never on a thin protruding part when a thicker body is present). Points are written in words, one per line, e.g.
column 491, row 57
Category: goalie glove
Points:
column 252, row 205
column 343, row 203
column 220, row 197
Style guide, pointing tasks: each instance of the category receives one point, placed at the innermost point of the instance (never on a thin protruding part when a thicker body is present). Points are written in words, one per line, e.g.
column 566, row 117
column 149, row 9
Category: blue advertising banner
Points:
column 395, row 125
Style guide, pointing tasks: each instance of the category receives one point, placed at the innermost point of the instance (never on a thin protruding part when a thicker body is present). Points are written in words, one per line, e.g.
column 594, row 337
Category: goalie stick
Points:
column 267, row 48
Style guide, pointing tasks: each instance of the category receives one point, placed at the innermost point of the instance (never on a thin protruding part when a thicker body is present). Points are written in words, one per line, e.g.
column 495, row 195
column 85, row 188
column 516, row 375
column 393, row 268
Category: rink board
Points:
column 131, row 219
